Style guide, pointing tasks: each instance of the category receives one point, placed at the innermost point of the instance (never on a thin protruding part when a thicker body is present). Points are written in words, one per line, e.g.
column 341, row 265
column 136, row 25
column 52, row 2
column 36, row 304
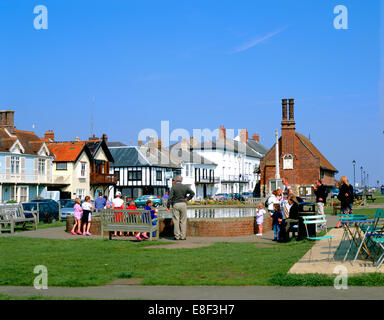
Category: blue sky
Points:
column 198, row 64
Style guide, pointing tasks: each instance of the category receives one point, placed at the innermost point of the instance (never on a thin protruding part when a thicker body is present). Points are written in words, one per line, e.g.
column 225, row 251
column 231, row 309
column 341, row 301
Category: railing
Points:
column 25, row 178
column 103, row 178
column 235, row 178
column 207, row 180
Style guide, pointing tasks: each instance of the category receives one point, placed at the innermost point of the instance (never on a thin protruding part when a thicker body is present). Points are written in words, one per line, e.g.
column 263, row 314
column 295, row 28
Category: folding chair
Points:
column 316, row 219
column 374, row 230
column 380, row 242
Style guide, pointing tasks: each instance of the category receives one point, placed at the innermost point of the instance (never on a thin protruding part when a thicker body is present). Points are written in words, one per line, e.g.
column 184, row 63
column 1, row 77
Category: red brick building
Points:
column 301, row 163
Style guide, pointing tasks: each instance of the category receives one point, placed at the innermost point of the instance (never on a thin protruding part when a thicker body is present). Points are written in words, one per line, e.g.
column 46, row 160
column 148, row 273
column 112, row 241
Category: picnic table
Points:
column 369, row 197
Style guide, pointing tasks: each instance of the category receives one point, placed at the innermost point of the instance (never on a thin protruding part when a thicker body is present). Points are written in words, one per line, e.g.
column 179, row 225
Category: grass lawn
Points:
column 92, row 262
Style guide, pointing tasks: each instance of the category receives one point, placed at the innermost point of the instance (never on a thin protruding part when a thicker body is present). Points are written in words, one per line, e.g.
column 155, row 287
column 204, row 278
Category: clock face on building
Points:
column 288, row 162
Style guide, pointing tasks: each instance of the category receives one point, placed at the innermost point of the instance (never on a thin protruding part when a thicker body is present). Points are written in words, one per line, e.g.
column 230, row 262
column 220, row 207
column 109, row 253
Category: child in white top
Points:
column 87, row 215
column 260, row 212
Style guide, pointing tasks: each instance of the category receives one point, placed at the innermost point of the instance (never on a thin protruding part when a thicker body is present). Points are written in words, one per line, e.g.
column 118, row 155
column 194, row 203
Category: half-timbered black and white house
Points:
column 141, row 171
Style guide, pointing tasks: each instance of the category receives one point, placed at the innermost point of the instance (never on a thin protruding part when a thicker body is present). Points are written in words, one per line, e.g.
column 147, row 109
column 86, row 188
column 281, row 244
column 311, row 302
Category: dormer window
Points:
column 288, row 162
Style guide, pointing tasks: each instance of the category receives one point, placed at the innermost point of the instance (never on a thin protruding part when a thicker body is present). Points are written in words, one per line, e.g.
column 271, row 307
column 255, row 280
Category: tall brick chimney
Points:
column 49, row 135
column 7, row 120
column 288, row 133
column 222, row 134
column 159, row 144
column 243, row 135
column 140, row 143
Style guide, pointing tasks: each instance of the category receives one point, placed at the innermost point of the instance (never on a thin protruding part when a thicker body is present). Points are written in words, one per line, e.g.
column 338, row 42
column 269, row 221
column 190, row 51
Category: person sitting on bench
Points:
column 293, row 217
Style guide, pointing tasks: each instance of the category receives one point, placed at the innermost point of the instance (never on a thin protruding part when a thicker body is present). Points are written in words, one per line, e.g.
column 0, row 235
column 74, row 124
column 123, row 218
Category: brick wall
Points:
column 306, row 168
column 226, row 227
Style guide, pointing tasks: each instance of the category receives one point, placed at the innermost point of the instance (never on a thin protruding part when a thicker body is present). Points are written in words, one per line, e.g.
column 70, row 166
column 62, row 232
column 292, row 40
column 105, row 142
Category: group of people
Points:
column 283, row 207
column 83, row 216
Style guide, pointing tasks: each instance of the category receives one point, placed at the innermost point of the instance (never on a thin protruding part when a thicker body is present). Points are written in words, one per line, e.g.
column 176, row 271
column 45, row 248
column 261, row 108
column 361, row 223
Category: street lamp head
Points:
column 354, row 162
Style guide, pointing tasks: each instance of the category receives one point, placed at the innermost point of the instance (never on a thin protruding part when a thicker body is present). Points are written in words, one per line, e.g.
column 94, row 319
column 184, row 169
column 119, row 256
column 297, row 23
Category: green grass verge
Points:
column 315, row 280
column 92, row 262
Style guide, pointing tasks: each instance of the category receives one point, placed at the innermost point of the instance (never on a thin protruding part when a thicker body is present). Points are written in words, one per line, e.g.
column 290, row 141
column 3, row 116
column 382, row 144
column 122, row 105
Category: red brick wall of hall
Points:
column 306, row 168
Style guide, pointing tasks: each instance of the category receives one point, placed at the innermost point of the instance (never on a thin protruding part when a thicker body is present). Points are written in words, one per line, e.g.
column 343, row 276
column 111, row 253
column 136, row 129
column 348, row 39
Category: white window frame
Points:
column 25, row 196
column 15, row 165
column 83, row 170
column 80, row 193
column 42, row 166
column 287, row 162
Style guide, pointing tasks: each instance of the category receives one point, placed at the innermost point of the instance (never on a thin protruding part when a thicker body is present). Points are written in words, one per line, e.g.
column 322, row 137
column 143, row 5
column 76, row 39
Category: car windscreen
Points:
column 29, row 206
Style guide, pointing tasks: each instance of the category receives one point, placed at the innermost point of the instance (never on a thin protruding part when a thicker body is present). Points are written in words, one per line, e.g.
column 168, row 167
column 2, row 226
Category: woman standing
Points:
column 346, row 197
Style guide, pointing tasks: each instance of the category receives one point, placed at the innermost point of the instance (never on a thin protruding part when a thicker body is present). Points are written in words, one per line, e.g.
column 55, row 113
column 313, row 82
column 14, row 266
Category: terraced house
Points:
column 25, row 162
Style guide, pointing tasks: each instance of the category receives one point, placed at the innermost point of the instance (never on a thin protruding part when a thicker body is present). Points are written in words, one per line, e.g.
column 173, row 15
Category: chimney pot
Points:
column 256, row 137
column 284, row 107
column 291, row 109
column 140, row 143
column 49, row 135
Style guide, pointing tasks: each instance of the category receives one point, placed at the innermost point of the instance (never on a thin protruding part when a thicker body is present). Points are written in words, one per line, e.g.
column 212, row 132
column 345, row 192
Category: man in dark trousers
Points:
column 179, row 195
column 321, row 197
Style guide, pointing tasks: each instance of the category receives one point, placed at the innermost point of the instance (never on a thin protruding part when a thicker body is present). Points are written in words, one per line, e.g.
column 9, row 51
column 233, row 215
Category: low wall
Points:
column 214, row 227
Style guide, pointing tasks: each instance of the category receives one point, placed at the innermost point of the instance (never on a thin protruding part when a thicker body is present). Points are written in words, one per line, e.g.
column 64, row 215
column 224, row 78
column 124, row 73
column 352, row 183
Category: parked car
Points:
column 247, row 195
column 63, row 202
column 141, row 201
column 67, row 209
column 53, row 203
column 334, row 192
column 236, row 196
column 48, row 212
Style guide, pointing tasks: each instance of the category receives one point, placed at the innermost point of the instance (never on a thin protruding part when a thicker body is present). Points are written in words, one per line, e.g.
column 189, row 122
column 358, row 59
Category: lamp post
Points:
column 361, row 181
column 364, row 179
column 367, row 182
column 354, row 177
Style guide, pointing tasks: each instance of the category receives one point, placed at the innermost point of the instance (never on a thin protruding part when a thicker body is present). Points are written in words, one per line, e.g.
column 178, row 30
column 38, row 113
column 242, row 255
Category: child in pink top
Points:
column 78, row 216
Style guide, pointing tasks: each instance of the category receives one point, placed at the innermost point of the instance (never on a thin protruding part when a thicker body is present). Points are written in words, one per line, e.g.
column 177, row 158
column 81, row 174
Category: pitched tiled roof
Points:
column 324, row 163
column 127, row 157
column 131, row 156
column 66, row 151
column 28, row 139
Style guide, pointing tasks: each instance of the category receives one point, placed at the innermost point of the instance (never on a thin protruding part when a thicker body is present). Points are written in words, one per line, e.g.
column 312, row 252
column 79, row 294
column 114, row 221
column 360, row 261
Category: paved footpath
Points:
column 201, row 293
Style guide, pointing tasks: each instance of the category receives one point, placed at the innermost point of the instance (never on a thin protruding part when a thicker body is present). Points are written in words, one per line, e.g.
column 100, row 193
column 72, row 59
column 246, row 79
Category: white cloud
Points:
column 255, row 42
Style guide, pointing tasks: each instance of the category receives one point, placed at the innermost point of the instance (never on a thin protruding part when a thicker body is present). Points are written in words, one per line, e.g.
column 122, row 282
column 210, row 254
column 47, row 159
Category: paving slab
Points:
column 316, row 260
column 196, row 293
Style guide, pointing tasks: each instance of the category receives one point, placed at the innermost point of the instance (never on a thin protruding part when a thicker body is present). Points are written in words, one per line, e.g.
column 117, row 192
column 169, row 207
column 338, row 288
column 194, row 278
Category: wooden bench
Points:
column 10, row 214
column 124, row 220
column 369, row 196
